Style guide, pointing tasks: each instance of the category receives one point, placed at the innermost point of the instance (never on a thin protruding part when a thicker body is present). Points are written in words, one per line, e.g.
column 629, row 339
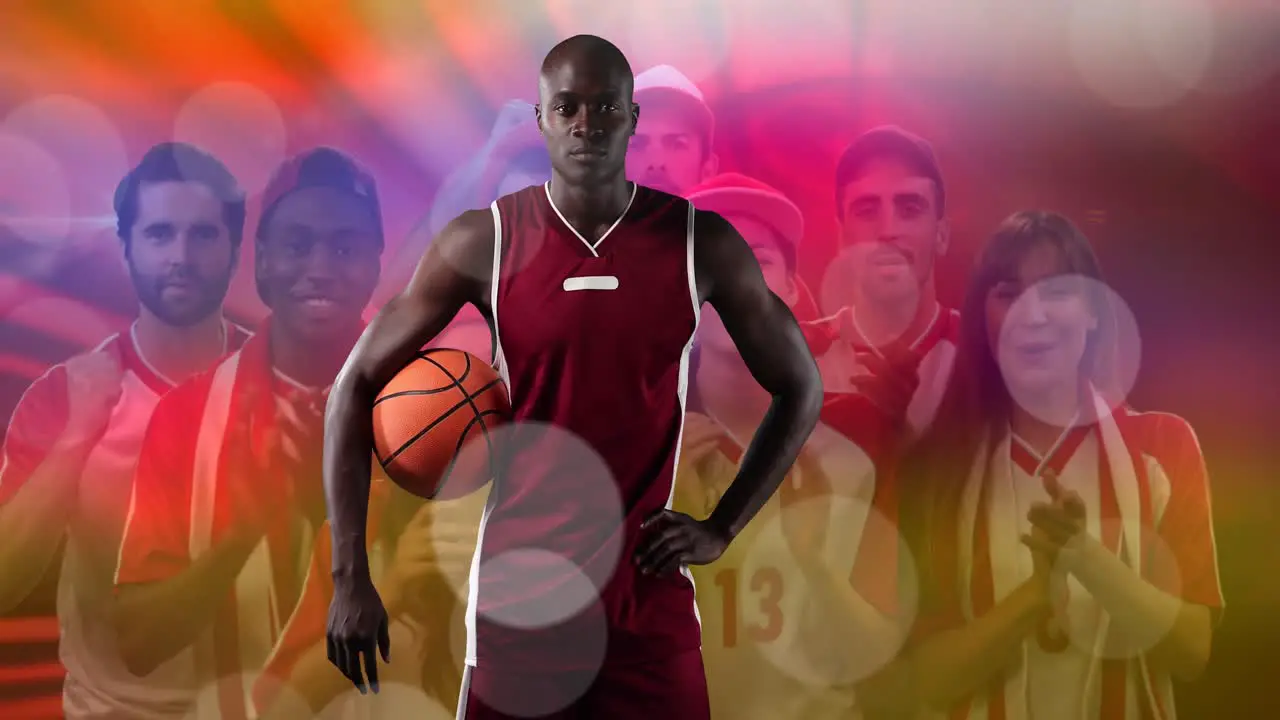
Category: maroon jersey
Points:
column 593, row 342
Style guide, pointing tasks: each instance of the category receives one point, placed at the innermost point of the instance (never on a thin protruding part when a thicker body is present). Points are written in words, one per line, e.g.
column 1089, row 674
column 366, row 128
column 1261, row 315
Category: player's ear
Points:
column 635, row 117
column 124, row 253
column 260, row 273
column 790, row 292
column 711, row 166
column 537, row 116
column 944, row 236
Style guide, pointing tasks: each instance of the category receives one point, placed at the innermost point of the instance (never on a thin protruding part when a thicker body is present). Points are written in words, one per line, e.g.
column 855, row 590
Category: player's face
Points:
column 318, row 262
column 667, row 152
column 1038, row 324
column 766, row 245
column 179, row 252
column 890, row 224
column 587, row 117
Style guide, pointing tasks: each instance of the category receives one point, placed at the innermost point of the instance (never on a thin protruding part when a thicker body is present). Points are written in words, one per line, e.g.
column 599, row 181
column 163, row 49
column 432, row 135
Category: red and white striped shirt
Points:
column 192, row 475
column 97, row 681
column 1142, row 478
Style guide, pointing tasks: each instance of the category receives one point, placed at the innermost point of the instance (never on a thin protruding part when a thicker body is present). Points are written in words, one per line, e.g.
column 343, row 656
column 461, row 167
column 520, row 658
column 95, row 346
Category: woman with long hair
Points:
column 1065, row 541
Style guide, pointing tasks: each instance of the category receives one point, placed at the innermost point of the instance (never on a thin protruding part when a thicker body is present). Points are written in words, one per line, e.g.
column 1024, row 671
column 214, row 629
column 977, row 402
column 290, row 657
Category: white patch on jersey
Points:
column 591, row 282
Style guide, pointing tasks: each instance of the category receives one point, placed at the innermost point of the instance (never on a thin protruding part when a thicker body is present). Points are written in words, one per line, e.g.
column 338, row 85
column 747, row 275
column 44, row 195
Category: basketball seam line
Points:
column 423, row 356
column 476, row 414
column 440, row 419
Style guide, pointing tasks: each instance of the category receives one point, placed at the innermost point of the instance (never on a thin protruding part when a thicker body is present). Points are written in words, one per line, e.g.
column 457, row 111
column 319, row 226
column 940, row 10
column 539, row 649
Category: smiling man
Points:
column 227, row 493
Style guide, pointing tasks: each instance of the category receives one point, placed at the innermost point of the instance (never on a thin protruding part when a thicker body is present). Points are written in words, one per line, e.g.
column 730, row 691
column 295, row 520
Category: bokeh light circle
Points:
column 573, row 662
column 1140, row 54
column 1245, row 53
column 35, row 199
column 547, row 576
column 842, row 283
column 238, row 124
column 838, row 287
column 78, row 135
column 1038, row 342
column 828, row 524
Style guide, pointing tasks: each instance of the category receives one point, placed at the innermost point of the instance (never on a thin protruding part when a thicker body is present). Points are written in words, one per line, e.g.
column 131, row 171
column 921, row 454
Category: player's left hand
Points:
column 674, row 539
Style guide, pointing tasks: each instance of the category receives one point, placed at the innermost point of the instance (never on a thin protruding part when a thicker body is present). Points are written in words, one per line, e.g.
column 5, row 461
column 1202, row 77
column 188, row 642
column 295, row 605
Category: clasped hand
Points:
column 1058, row 527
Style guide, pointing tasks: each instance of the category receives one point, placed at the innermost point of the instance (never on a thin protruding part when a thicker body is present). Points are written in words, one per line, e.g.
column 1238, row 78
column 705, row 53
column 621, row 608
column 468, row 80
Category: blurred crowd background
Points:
column 1155, row 126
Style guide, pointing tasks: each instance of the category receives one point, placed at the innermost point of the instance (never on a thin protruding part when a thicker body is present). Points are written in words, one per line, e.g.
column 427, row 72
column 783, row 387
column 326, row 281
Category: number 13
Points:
column 766, row 584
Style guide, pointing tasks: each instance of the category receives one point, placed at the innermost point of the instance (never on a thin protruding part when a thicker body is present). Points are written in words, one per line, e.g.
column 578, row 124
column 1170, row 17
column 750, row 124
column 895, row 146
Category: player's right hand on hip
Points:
column 94, row 386
column 358, row 631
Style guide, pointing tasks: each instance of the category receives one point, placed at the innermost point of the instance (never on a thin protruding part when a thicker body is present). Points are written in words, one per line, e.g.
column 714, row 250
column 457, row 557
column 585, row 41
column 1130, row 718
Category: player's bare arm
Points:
column 774, row 350
column 455, row 270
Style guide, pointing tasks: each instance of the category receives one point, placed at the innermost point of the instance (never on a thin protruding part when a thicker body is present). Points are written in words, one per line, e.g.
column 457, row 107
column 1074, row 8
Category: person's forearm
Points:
column 769, row 456
column 155, row 621
column 34, row 521
column 348, row 465
column 954, row 663
column 1179, row 634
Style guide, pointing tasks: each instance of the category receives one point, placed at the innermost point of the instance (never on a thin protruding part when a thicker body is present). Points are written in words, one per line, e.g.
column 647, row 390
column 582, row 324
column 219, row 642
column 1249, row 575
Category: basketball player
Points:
column 227, row 492
column 72, row 445
column 1063, row 480
column 891, row 333
column 594, row 285
column 671, row 150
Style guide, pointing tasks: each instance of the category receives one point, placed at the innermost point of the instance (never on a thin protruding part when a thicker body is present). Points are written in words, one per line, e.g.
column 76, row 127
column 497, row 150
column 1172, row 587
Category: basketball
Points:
column 443, row 402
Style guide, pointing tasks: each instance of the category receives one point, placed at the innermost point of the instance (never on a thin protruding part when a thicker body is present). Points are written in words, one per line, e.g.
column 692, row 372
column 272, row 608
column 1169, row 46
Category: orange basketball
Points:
column 441, row 407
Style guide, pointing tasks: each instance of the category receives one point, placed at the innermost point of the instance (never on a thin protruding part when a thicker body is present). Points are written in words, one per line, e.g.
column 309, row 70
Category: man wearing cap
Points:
column 760, row 621
column 227, row 490
column 888, row 337
column 672, row 146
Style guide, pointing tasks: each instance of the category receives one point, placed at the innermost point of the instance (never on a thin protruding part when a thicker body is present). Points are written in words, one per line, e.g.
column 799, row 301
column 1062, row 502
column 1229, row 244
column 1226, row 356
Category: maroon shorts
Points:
column 670, row 689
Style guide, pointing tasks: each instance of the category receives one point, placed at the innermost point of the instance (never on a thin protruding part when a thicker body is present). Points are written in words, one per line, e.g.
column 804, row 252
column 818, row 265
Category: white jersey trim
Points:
column 683, row 386
column 590, row 246
column 473, row 581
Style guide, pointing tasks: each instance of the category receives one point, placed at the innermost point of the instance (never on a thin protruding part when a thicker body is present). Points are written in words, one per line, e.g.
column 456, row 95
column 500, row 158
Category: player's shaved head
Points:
column 586, row 109
column 588, row 51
